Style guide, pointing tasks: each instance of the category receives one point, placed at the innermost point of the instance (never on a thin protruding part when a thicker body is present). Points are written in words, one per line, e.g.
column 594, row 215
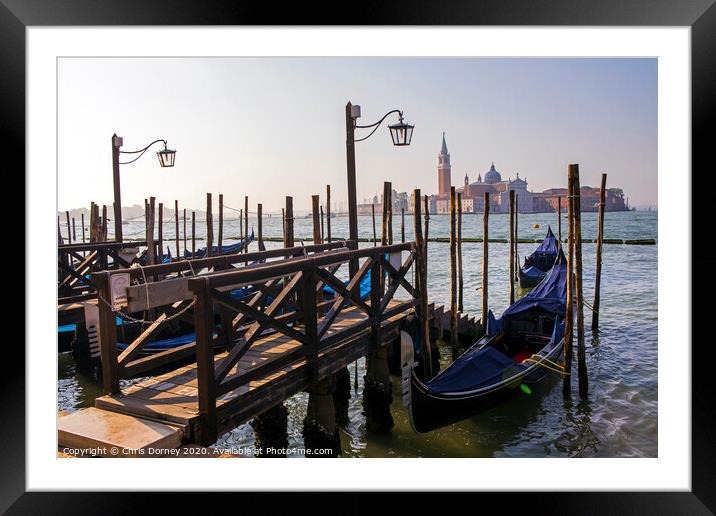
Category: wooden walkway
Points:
column 173, row 397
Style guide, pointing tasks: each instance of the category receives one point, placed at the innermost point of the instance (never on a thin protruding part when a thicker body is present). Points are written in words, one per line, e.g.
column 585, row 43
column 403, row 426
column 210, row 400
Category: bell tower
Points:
column 444, row 180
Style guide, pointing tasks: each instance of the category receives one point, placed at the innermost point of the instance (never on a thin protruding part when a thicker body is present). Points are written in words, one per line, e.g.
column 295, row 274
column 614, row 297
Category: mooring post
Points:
column 387, row 186
column 104, row 223
column 402, row 225
column 151, row 256
column 209, row 227
column 260, row 225
column 485, row 249
column 289, row 222
column 569, row 315
column 512, row 246
column 160, row 233
column 316, row 221
column 323, row 226
column 459, row 253
column 193, row 234
column 390, row 216
column 283, row 225
column 74, row 233
column 107, row 333
column 422, row 287
column 375, row 240
column 241, row 224
column 184, row 231
column 579, row 301
column 427, row 232
column 221, row 224
column 176, row 227
column 246, row 223
column 69, row 228
column 453, row 275
column 82, row 221
column 517, row 225
column 559, row 220
column 328, row 213
column 600, row 241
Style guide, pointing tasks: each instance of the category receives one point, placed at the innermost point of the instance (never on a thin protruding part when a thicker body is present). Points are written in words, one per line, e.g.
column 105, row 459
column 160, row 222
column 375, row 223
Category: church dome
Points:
column 493, row 176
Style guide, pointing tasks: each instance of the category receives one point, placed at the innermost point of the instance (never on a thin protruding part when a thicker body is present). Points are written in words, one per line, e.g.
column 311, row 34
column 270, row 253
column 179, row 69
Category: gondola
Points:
column 538, row 264
column 519, row 349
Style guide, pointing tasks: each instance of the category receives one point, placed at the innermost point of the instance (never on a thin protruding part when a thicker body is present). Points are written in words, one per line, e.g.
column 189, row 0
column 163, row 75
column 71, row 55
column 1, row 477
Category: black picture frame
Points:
column 700, row 15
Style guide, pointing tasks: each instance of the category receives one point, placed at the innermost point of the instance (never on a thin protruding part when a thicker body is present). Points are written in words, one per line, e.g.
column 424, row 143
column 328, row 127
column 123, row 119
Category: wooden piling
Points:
column 151, row 250
column 104, row 223
column 402, row 225
column 83, row 226
column 74, row 232
column 328, row 213
column 600, row 241
column 323, row 225
column 260, row 225
column 485, row 247
column 459, row 253
column 453, row 275
column 221, row 223
column 246, row 223
column 176, row 227
column 517, row 225
column 69, row 228
column 390, row 215
column 316, row 221
column 59, row 231
column 375, row 241
column 422, row 284
column 579, row 300
column 193, row 234
column 512, row 246
column 427, row 229
column 559, row 220
column 209, row 226
column 283, row 224
column 387, row 186
column 288, row 242
column 569, row 315
column 241, row 224
column 160, row 233
column 184, row 230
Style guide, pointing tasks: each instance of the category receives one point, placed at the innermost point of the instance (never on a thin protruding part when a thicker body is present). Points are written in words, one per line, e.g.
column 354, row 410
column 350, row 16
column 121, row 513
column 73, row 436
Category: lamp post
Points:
column 401, row 135
column 166, row 159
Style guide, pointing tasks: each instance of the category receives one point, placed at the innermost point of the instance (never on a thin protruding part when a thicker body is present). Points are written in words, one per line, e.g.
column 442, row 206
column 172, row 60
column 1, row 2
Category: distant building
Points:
column 499, row 193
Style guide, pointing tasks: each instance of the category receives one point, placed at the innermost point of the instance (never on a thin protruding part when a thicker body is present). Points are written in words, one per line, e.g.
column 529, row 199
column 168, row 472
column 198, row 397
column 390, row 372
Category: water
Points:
column 618, row 420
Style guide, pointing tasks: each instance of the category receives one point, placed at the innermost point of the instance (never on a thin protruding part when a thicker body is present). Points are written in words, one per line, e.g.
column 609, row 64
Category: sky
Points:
column 271, row 127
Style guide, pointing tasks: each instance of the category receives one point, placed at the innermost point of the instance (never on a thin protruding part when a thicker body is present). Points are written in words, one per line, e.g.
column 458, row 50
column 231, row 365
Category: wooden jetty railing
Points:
column 298, row 312
column 170, row 298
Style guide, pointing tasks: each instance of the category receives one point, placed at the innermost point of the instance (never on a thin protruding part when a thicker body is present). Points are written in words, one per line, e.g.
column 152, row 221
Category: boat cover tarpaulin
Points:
column 474, row 369
column 550, row 295
column 364, row 287
column 225, row 249
column 549, row 245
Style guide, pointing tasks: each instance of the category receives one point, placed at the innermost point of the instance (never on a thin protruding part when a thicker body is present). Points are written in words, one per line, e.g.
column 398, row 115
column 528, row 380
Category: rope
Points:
column 557, row 369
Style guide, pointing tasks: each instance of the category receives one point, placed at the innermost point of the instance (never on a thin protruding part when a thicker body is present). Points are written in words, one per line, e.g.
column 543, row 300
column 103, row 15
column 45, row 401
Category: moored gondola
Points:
column 538, row 264
column 519, row 349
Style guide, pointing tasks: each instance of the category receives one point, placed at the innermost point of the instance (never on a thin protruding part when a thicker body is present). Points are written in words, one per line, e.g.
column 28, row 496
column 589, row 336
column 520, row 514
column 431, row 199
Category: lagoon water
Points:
column 618, row 420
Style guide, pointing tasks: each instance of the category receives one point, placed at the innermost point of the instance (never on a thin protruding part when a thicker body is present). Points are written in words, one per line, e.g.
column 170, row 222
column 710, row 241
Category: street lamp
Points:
column 166, row 159
column 401, row 135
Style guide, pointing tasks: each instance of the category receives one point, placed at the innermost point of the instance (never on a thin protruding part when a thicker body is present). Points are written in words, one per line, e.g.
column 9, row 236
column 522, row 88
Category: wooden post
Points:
column 241, row 224
column 176, row 227
column 288, row 242
column 206, row 382
column 151, row 249
column 351, row 175
column 315, row 219
column 107, row 334
column 104, row 223
column 459, row 253
column 323, row 226
column 422, row 286
column 283, row 225
column 390, row 215
column 160, row 230
column 600, row 239
column 193, row 234
column 184, row 231
column 402, row 225
column 246, row 223
column 517, row 225
column 569, row 315
column 453, row 275
column 117, row 188
column 74, row 232
column 209, row 227
column 260, row 225
column 83, row 226
column 221, row 223
column 512, row 246
column 328, row 212
column 559, row 220
column 384, row 223
column 427, row 231
column 579, row 300
column 375, row 240
column 485, row 248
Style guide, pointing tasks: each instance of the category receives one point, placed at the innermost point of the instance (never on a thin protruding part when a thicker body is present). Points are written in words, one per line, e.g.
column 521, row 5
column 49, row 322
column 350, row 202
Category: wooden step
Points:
column 102, row 432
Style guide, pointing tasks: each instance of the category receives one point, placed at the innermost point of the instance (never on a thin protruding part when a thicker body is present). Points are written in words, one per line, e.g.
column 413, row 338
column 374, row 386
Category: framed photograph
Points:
column 453, row 244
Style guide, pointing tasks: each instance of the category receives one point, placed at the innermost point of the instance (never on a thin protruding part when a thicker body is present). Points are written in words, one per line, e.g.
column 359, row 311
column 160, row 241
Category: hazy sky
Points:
column 271, row 127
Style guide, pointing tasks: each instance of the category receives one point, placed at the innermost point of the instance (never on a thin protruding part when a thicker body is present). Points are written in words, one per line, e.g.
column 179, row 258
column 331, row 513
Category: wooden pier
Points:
column 251, row 354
